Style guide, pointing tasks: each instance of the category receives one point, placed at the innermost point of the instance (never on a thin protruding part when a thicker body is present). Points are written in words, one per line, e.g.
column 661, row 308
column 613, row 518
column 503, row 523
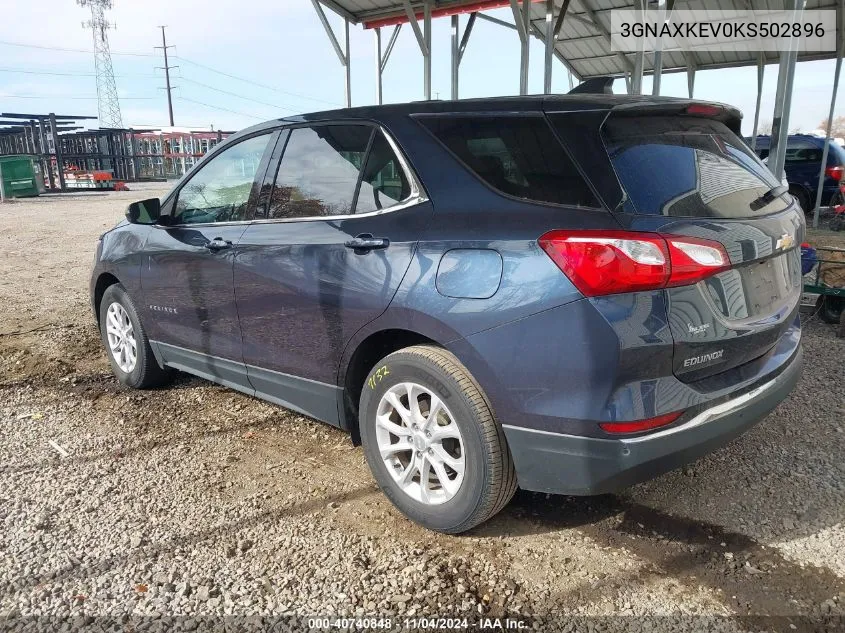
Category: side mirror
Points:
column 144, row 211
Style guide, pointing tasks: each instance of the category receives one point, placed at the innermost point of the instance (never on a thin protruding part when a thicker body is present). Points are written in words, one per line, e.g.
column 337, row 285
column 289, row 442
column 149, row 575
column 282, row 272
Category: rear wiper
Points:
column 768, row 197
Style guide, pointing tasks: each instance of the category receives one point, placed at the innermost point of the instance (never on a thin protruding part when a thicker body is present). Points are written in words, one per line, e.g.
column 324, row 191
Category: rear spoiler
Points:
column 722, row 112
column 645, row 106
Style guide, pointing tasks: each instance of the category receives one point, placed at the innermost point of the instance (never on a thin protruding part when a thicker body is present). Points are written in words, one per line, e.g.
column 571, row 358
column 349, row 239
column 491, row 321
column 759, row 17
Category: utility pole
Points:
column 167, row 68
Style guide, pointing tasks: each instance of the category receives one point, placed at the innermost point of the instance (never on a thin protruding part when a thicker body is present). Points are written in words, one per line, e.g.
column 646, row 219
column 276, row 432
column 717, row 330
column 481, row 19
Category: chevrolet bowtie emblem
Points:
column 784, row 241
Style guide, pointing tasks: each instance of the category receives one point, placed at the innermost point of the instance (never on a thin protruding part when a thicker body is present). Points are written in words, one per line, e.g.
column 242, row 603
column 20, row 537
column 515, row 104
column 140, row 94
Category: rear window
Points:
column 687, row 167
column 516, row 155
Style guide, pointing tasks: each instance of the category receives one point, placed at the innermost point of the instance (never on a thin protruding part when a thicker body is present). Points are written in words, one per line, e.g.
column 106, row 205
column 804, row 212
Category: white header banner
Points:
column 716, row 30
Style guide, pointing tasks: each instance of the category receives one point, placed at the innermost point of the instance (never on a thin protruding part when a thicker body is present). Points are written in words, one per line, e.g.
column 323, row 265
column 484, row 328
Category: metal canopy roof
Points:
column 584, row 41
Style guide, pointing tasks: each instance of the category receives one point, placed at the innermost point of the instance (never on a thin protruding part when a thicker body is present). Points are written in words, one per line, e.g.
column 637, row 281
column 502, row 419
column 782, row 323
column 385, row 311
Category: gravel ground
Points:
column 198, row 502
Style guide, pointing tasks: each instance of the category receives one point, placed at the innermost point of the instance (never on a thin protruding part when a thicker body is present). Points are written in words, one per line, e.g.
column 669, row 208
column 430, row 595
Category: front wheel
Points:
column 432, row 442
column 130, row 354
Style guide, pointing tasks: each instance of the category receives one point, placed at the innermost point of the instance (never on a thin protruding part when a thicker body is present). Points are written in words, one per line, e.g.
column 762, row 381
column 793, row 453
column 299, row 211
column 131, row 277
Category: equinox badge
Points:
column 704, row 358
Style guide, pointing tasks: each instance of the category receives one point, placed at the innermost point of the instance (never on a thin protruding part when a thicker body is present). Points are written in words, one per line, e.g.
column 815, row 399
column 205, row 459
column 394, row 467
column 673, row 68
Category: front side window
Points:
column 319, row 171
column 517, row 155
column 219, row 191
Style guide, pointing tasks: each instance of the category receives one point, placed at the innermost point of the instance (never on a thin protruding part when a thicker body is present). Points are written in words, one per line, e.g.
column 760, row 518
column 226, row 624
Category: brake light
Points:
column 638, row 426
column 836, row 172
column 613, row 262
column 702, row 109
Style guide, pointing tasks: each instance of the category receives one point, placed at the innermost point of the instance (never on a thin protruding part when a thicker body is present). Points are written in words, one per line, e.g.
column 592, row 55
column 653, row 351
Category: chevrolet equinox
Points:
column 567, row 294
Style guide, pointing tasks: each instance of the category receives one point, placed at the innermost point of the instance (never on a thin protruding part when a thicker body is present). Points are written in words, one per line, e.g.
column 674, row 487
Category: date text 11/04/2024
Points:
column 419, row 623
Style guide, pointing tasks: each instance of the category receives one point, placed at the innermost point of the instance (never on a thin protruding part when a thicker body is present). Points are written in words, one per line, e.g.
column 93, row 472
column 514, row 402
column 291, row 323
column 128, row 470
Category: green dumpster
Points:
column 20, row 176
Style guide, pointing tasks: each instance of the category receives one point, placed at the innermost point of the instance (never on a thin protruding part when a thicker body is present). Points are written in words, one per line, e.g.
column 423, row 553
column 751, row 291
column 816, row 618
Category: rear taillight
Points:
column 638, row 426
column 613, row 262
column 836, row 172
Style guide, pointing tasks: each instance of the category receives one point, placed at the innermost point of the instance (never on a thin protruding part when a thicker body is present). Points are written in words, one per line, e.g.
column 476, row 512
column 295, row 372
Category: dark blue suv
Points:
column 566, row 294
column 802, row 165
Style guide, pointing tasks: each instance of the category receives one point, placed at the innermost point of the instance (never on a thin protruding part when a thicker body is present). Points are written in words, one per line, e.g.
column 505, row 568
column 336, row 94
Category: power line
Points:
column 208, row 105
column 184, row 59
column 255, row 83
column 234, row 94
column 72, row 50
column 67, row 74
column 67, row 97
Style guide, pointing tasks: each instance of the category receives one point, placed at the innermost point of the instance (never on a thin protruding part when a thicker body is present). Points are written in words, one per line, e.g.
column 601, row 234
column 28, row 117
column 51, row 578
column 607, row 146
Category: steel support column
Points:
column 639, row 57
column 57, row 150
column 550, row 47
column 427, row 58
column 456, row 27
column 839, row 54
column 658, row 50
column 377, row 35
column 783, row 99
column 342, row 54
column 459, row 46
column 423, row 40
column 521, row 18
column 381, row 60
column 761, row 70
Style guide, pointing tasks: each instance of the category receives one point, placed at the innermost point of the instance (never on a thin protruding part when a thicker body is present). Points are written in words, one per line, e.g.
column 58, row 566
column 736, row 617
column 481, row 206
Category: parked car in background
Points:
column 802, row 165
column 567, row 294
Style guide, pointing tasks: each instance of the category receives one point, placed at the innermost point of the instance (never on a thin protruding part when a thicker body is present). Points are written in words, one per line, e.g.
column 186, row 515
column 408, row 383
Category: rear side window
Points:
column 687, row 166
column 516, row 155
column 802, row 151
column 330, row 170
column 318, row 174
column 383, row 183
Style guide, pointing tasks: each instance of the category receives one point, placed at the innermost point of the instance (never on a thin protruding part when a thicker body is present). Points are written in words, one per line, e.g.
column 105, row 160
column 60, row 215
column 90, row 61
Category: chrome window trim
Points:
column 417, row 195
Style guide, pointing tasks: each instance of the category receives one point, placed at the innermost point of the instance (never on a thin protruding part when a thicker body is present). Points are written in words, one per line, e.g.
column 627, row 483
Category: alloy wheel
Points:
column 121, row 335
column 420, row 443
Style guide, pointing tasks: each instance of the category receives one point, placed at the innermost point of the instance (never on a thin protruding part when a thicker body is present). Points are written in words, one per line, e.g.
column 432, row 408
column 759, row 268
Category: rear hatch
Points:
column 685, row 173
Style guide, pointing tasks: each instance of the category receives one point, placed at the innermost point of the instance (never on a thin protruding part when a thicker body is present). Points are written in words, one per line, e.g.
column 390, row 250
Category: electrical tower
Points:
column 108, row 106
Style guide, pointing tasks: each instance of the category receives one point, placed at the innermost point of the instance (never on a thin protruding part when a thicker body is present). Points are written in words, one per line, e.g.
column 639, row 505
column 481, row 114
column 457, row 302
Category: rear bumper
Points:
column 576, row 465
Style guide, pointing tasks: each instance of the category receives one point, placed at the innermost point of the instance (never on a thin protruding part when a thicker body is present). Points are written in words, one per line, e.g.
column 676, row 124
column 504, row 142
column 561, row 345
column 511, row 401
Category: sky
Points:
column 242, row 63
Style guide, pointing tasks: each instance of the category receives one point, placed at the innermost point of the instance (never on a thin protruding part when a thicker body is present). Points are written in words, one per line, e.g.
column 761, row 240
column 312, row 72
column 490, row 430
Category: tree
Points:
column 764, row 127
column 837, row 129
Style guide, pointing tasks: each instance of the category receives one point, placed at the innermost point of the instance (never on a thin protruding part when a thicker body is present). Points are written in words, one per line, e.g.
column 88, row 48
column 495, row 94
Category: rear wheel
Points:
column 130, row 354
column 830, row 308
column 432, row 442
column 801, row 196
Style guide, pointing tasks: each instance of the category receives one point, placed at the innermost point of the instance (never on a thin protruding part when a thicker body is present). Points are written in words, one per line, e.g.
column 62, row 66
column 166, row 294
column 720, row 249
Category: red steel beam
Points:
column 480, row 5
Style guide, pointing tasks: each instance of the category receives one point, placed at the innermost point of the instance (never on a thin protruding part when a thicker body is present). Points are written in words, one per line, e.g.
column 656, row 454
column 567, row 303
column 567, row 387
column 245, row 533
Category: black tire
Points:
column 147, row 372
column 830, row 308
column 841, row 331
column 489, row 477
column 803, row 199
column 837, row 222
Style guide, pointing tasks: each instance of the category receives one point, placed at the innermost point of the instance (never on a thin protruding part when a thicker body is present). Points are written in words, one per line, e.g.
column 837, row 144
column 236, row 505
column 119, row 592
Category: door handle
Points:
column 365, row 243
column 218, row 244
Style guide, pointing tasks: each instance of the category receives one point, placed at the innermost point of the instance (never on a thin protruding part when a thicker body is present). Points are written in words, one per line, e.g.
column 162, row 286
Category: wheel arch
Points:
column 366, row 354
column 104, row 281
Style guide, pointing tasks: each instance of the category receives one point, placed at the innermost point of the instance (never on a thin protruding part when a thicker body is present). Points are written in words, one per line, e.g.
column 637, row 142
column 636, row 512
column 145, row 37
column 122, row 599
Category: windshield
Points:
column 688, row 167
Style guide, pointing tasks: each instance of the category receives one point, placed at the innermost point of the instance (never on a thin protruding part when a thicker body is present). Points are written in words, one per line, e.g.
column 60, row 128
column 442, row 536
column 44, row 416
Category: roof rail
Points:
column 594, row 85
